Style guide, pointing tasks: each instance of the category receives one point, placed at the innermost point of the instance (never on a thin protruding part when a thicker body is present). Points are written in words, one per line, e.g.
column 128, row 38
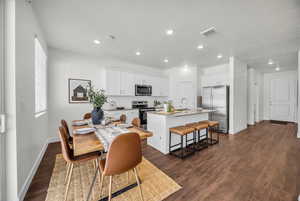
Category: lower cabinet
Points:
column 130, row 114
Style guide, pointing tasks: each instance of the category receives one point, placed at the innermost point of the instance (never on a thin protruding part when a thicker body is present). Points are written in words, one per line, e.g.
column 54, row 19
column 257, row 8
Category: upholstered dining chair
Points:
column 123, row 118
column 87, row 116
column 124, row 154
column 64, row 124
column 136, row 122
column 70, row 159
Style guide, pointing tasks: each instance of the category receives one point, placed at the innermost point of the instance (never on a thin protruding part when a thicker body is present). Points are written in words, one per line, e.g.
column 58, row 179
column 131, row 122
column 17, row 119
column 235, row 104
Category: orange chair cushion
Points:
column 182, row 130
column 213, row 123
column 198, row 126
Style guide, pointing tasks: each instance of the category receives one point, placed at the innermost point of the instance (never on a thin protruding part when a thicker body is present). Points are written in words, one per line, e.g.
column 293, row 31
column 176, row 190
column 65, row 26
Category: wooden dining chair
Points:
column 136, row 122
column 87, row 116
column 70, row 159
column 124, row 154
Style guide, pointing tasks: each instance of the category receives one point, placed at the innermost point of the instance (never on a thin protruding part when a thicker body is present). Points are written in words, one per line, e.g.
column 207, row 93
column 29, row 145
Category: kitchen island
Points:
column 160, row 122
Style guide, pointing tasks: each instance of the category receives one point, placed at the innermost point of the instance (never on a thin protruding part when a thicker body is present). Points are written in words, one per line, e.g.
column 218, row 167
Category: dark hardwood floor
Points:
column 261, row 163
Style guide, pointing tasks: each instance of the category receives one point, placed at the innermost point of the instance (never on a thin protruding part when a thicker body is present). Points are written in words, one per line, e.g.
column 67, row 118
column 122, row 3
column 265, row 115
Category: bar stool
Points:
column 182, row 131
column 198, row 126
column 213, row 126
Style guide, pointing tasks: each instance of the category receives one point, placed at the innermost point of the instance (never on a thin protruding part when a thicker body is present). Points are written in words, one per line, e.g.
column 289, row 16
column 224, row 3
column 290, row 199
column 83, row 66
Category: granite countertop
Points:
column 181, row 113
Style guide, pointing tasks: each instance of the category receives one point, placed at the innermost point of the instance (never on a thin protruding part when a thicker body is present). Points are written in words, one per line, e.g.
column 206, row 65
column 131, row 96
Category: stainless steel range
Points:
column 143, row 109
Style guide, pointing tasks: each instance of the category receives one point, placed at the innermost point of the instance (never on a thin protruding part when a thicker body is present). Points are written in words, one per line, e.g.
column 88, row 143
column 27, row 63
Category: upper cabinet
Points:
column 123, row 83
column 217, row 75
column 160, row 86
column 113, row 82
column 127, row 84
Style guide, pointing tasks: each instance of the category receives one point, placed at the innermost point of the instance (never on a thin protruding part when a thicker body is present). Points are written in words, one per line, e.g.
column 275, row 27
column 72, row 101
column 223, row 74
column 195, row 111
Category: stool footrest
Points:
column 182, row 152
column 211, row 141
column 200, row 145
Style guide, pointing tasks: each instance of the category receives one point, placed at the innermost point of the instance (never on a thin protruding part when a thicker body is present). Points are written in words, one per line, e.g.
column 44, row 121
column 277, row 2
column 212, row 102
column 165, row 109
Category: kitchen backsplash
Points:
column 127, row 101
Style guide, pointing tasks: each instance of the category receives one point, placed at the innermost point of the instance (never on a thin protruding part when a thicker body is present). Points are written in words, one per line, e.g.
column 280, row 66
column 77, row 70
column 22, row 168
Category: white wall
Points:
column 10, row 104
column 65, row 64
column 238, row 96
column 179, row 76
column 255, row 96
column 260, row 97
column 2, row 109
column 291, row 75
column 298, row 94
column 31, row 131
column 251, row 96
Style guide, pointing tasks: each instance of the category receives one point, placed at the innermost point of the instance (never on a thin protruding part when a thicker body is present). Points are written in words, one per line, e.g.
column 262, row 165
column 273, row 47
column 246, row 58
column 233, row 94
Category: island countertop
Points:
column 181, row 113
column 159, row 123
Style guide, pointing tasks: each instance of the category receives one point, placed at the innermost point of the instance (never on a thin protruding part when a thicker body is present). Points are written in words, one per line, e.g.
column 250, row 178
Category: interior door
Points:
column 283, row 99
column 2, row 117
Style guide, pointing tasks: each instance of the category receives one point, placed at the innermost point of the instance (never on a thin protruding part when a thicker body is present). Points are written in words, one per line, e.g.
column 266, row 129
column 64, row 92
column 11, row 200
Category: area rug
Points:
column 156, row 185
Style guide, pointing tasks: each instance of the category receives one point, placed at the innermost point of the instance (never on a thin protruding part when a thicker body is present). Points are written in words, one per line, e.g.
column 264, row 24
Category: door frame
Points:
column 2, row 103
column 292, row 74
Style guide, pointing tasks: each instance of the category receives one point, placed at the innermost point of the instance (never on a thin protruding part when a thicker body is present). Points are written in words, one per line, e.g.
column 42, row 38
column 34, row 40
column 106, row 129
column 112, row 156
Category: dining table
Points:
column 98, row 141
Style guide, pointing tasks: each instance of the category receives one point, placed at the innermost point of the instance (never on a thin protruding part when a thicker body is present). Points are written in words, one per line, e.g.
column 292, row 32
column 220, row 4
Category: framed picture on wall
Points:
column 78, row 90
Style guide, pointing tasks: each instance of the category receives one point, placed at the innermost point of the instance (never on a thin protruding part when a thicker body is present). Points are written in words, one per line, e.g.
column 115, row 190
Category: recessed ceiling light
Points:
column 97, row 41
column 270, row 62
column 277, row 69
column 166, row 60
column 138, row 53
column 200, row 47
column 220, row 56
column 170, row 32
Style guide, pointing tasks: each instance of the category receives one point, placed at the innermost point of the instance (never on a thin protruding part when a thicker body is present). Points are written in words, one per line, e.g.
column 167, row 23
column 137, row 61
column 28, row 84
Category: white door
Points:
column 283, row 99
column 2, row 126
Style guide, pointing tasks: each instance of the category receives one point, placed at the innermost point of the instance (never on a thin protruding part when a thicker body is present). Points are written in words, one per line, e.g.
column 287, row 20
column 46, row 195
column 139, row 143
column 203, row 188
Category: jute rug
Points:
column 156, row 185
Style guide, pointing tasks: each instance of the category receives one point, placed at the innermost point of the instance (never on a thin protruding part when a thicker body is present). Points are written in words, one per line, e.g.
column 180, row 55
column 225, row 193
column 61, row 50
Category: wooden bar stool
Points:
column 213, row 126
column 200, row 142
column 189, row 149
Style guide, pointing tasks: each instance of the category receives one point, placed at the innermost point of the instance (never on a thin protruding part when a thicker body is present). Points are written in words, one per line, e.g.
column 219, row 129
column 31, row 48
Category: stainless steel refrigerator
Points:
column 217, row 98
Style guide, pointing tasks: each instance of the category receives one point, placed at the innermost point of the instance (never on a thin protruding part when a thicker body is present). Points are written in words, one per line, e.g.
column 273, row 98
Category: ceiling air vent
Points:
column 208, row 32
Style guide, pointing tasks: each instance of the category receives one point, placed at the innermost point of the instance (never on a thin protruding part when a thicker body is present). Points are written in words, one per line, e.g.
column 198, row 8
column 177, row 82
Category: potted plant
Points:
column 97, row 99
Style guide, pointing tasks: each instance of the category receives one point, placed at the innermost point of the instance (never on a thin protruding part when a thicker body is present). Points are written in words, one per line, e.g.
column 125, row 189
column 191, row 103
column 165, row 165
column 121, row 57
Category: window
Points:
column 40, row 78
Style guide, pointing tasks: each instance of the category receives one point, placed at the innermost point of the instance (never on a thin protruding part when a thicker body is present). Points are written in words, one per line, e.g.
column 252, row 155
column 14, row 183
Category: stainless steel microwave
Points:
column 143, row 90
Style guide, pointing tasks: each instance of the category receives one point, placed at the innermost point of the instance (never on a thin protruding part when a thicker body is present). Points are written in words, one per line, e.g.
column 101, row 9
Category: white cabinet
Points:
column 113, row 82
column 142, row 79
column 164, row 87
column 130, row 114
column 126, row 84
column 119, row 83
column 123, row 83
column 156, row 87
column 160, row 87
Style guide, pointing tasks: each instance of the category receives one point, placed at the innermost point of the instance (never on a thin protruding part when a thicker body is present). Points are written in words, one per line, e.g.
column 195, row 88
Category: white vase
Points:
column 166, row 107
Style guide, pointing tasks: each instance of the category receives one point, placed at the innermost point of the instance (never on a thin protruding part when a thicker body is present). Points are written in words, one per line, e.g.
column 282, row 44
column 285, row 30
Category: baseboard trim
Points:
column 34, row 168
column 52, row 140
column 32, row 172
